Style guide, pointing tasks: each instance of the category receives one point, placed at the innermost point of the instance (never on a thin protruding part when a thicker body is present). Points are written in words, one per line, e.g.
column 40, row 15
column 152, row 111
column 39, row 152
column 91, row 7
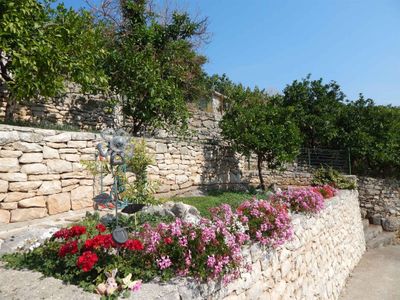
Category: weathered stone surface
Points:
column 10, row 153
column 31, row 158
column 50, row 187
column 13, row 176
column 2, row 196
column 44, row 177
column 59, row 138
column 26, row 214
column 3, row 186
column 26, row 186
column 82, row 197
column 77, row 144
column 161, row 148
column 82, row 136
column 50, row 153
column 59, row 203
column 71, row 157
column 16, row 196
column 27, row 147
column 59, row 166
column 9, row 164
column 38, row 201
column 57, row 145
column 8, row 205
column 34, row 169
column 8, row 137
column 67, row 182
column 391, row 223
column 30, row 137
column 4, row 216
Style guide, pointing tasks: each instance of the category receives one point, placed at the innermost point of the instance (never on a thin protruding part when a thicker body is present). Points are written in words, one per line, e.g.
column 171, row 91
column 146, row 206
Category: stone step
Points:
column 372, row 231
column 365, row 224
column 383, row 239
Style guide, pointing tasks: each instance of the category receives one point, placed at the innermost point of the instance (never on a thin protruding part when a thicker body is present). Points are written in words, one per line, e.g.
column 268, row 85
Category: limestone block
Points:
column 27, row 147
column 77, row 144
column 44, row 177
column 3, row 186
column 161, row 148
column 39, row 201
column 50, row 187
column 30, row 137
column 10, row 153
column 79, row 175
column 26, row 214
column 26, row 186
column 7, row 137
column 13, row 176
column 31, row 158
column 59, row 138
column 70, row 157
column 68, row 150
column 82, row 197
column 57, row 145
column 88, row 150
column 59, row 166
column 9, row 164
column 4, row 216
column 34, row 169
column 69, row 188
column 16, row 196
column 59, row 203
column 67, row 182
column 2, row 196
column 87, row 157
column 50, row 153
column 181, row 179
column 82, row 136
column 8, row 205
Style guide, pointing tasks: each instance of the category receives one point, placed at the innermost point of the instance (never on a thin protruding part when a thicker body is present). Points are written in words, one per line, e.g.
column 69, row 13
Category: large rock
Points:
column 26, row 186
column 82, row 197
column 59, row 203
column 7, row 137
column 50, row 187
column 180, row 210
column 59, row 138
column 4, row 216
column 26, row 214
column 16, row 196
column 30, row 137
column 50, row 153
column 34, row 169
column 10, row 153
column 38, row 201
column 31, row 158
column 77, row 144
column 9, row 164
column 82, row 136
column 27, row 147
column 59, row 166
column 391, row 223
column 3, row 186
column 13, row 176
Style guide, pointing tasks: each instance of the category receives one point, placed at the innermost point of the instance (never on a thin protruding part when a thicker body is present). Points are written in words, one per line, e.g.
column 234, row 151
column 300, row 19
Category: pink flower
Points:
column 164, row 262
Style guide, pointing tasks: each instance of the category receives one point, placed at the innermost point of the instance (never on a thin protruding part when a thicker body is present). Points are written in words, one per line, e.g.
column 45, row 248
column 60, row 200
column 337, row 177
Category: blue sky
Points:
column 269, row 43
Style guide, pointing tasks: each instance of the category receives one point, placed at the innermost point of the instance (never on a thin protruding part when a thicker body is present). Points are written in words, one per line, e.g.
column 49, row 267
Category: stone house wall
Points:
column 314, row 265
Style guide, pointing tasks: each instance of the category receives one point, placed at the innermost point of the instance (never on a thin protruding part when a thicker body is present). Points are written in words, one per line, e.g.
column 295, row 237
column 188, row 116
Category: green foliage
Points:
column 332, row 177
column 154, row 67
column 258, row 123
column 43, row 47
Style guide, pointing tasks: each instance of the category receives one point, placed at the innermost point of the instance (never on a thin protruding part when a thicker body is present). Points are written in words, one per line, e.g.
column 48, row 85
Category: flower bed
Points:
column 86, row 254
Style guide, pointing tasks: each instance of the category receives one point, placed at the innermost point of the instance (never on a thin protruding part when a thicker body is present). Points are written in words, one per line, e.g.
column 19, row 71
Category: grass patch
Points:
column 216, row 198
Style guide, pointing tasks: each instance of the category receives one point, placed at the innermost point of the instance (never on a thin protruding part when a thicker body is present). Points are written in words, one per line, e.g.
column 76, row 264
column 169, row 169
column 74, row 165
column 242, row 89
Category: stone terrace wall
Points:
column 314, row 265
column 379, row 197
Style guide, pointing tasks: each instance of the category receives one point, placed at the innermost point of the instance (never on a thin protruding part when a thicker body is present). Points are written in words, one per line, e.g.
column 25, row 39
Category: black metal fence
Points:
column 316, row 157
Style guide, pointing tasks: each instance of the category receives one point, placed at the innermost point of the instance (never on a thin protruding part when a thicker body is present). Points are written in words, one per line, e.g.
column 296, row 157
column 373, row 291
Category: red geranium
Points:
column 86, row 261
column 66, row 234
column 168, row 240
column 68, row 248
column 133, row 245
column 101, row 227
column 100, row 241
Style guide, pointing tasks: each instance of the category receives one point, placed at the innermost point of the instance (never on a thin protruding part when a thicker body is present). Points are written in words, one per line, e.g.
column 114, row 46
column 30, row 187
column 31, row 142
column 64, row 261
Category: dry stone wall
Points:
column 314, row 265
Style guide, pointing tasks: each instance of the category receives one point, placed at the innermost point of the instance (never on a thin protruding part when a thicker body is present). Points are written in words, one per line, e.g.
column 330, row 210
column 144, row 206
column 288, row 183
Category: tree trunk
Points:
column 259, row 166
column 10, row 108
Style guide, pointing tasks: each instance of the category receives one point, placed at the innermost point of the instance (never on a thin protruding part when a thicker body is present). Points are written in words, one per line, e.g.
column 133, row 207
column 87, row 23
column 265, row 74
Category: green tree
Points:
column 43, row 47
column 258, row 123
column 154, row 67
column 317, row 107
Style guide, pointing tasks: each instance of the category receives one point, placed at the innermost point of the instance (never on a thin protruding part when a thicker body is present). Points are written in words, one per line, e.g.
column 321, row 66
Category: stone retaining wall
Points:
column 314, row 265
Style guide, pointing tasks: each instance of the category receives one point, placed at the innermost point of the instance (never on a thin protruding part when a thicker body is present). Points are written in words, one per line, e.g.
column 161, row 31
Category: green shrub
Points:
column 334, row 178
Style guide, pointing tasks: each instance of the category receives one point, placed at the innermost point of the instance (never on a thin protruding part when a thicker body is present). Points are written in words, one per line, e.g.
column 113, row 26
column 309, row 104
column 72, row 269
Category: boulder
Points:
column 16, row 196
column 24, row 186
column 59, row 138
column 38, row 201
column 50, row 187
column 26, row 214
column 13, row 176
column 59, row 203
column 391, row 223
column 3, row 186
column 4, row 216
column 27, row 147
column 34, row 169
column 9, row 164
column 50, row 153
column 59, row 166
column 31, row 158
column 180, row 210
column 82, row 197
column 10, row 153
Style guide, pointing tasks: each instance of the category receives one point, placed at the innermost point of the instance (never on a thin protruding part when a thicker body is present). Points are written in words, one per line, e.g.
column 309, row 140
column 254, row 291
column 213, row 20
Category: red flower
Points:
column 100, row 241
column 68, row 248
column 168, row 240
column 86, row 261
column 63, row 233
column 77, row 231
column 133, row 245
column 101, row 227
column 66, row 234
